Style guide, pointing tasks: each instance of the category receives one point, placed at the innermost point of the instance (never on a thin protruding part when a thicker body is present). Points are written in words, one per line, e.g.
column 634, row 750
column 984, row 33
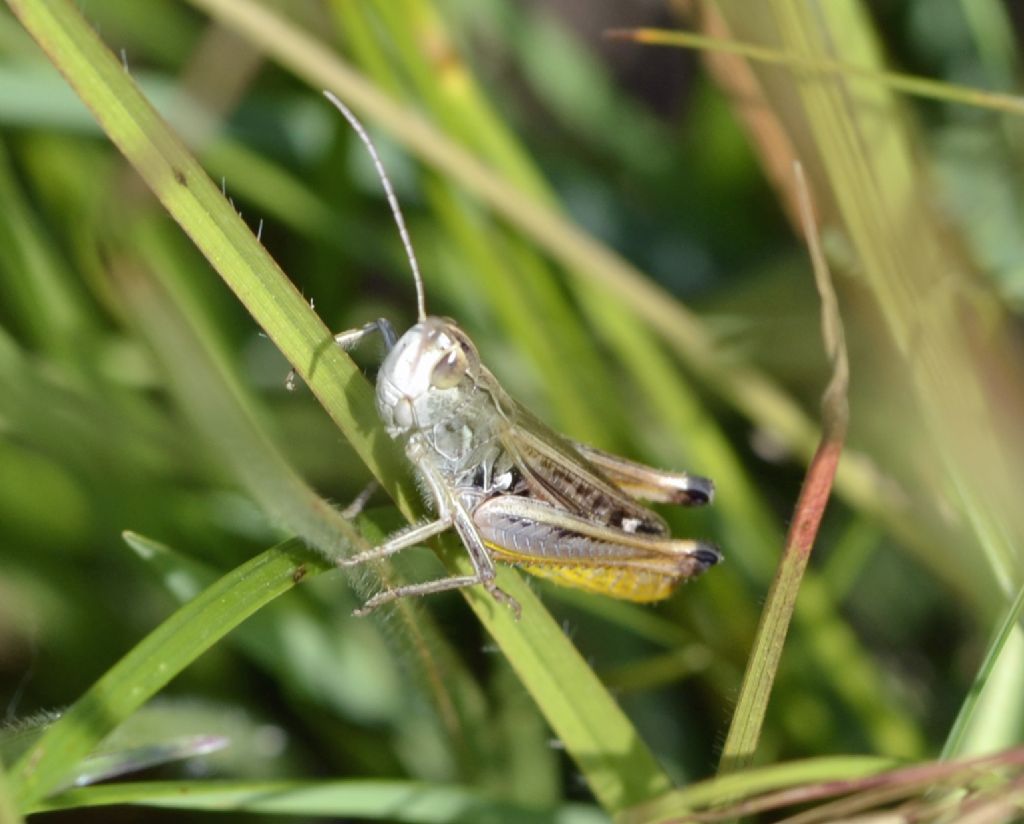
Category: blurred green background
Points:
column 117, row 342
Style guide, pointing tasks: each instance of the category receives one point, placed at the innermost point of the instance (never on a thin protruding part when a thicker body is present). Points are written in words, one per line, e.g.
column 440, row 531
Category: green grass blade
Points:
column 297, row 642
column 401, row 801
column 8, row 810
column 48, row 308
column 617, row 764
column 999, row 654
column 291, row 641
column 207, row 389
column 992, row 31
column 147, row 668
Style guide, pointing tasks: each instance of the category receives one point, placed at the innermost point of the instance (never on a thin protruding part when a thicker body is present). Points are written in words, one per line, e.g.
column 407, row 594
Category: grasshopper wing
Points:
column 556, row 472
column 647, row 483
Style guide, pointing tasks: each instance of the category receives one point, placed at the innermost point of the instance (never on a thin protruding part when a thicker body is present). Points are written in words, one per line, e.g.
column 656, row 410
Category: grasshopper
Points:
column 514, row 490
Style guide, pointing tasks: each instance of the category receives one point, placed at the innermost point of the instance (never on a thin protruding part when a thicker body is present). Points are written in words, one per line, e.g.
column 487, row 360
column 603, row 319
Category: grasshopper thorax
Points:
column 428, row 375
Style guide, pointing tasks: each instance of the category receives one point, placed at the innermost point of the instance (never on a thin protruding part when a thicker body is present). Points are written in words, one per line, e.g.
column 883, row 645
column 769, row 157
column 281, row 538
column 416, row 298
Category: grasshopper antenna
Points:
column 421, row 309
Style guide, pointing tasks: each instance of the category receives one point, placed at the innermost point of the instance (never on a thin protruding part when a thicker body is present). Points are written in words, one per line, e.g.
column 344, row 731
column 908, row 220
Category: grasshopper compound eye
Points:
column 450, row 370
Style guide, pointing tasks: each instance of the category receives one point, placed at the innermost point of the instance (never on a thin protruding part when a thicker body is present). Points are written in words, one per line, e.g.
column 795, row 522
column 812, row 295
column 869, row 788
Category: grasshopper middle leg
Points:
column 440, row 585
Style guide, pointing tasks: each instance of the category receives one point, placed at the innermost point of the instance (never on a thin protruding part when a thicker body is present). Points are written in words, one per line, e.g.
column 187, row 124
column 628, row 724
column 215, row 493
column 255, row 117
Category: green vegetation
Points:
column 615, row 223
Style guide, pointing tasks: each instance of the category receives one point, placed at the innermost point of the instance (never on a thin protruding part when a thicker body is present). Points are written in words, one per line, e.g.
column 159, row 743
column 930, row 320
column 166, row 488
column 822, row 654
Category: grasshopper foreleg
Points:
column 350, row 339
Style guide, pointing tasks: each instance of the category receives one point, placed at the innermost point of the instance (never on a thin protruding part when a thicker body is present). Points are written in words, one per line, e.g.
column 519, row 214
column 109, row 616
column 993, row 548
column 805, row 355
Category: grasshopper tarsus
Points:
column 504, row 598
column 353, row 510
column 351, row 338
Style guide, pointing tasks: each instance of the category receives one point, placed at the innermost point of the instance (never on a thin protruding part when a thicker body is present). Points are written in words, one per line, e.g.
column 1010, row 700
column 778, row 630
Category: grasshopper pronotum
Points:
column 514, row 490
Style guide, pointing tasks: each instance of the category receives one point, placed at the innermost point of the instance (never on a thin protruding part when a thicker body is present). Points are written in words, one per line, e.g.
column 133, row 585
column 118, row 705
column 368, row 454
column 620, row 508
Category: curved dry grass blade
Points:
column 745, row 729
column 770, row 105
column 855, row 784
column 750, row 783
column 923, row 285
column 927, row 793
column 859, row 795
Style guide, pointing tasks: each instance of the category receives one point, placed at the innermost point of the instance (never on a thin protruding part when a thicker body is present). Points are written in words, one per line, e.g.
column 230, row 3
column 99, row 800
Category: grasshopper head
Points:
column 426, row 376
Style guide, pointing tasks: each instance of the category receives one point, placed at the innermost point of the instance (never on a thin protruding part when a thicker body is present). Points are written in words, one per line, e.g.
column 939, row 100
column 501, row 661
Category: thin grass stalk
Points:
column 762, row 666
column 923, row 87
